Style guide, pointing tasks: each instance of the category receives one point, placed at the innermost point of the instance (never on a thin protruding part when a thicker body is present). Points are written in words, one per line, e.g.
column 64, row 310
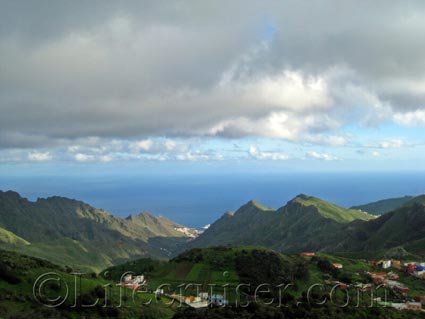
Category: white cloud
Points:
column 170, row 145
column 321, row 156
column 415, row 118
column 257, row 154
column 40, row 157
column 392, row 143
column 80, row 157
column 290, row 90
column 141, row 146
column 329, row 140
column 199, row 156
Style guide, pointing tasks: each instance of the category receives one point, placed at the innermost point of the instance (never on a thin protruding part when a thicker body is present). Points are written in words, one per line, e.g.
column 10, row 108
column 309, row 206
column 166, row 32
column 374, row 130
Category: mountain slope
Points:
column 332, row 211
column 404, row 227
column 308, row 223
column 240, row 227
column 383, row 206
column 66, row 230
column 303, row 223
column 8, row 237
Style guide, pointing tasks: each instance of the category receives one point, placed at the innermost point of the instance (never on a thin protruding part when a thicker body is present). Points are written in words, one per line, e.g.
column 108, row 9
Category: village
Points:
column 202, row 300
column 387, row 275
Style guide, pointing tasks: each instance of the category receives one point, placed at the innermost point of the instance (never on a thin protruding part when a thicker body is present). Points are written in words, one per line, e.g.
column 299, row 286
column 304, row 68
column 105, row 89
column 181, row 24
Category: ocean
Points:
column 196, row 200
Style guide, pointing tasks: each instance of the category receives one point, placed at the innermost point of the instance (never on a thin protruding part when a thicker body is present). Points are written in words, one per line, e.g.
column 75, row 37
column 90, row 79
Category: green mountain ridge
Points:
column 383, row 206
column 309, row 223
column 403, row 227
column 298, row 224
column 69, row 231
column 8, row 237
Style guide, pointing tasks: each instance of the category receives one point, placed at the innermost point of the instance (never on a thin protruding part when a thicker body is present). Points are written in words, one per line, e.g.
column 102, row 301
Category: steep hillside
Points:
column 332, row 211
column 308, row 223
column 383, row 206
column 68, row 231
column 55, row 295
column 7, row 237
column 404, row 227
column 237, row 272
column 303, row 223
column 244, row 227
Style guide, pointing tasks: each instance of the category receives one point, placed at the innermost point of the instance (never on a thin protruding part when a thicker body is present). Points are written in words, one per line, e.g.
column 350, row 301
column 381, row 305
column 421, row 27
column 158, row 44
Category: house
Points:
column 422, row 299
column 392, row 284
column 133, row 282
column 396, row 264
column 414, row 306
column 398, row 305
column 377, row 274
column 128, row 278
column 403, row 290
column 379, row 280
column 203, row 295
column 411, row 268
column 337, row 265
column 419, row 273
column 392, row 276
column 367, row 287
column 378, row 277
column 217, row 300
column 308, row 254
column 189, row 299
column 159, row 292
column 386, row 264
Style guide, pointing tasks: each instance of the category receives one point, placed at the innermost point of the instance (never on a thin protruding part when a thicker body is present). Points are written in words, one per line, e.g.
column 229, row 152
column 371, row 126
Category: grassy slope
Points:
column 401, row 232
column 213, row 265
column 7, row 237
column 218, row 265
column 305, row 223
column 75, row 234
column 17, row 297
column 383, row 206
column 332, row 211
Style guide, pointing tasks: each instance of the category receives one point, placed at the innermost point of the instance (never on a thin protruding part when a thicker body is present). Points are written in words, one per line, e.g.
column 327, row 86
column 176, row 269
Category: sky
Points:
column 201, row 86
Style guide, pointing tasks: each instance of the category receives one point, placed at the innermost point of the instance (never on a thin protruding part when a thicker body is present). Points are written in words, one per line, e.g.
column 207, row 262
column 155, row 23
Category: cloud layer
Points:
column 303, row 72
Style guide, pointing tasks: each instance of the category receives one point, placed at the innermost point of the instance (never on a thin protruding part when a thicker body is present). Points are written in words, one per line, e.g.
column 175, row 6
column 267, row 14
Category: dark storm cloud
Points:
column 130, row 69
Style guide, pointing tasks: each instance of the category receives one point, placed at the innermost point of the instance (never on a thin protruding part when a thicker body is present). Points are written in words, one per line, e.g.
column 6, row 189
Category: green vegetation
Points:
column 400, row 232
column 221, row 266
column 332, row 211
column 308, row 223
column 18, row 274
column 383, row 206
column 71, row 232
column 8, row 237
column 255, row 310
column 305, row 223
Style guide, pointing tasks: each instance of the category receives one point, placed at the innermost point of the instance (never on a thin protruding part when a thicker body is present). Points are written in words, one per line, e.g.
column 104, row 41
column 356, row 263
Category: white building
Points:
column 217, row 300
column 203, row 295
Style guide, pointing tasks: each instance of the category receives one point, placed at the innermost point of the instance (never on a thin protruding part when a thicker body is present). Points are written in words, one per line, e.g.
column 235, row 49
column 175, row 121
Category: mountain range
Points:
column 383, row 206
column 73, row 233
column 307, row 223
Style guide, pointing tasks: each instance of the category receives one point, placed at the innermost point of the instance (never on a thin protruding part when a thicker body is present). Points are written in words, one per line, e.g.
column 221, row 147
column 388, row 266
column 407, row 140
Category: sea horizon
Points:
column 196, row 200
